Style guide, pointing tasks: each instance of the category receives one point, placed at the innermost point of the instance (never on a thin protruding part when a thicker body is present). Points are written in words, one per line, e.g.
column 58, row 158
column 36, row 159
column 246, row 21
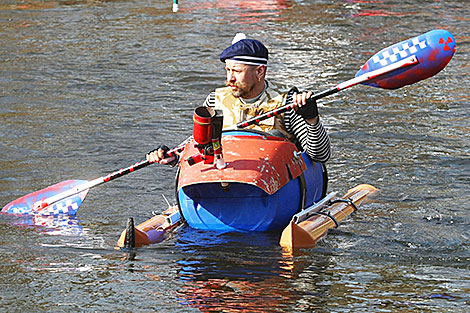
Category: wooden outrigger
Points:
column 151, row 231
column 311, row 224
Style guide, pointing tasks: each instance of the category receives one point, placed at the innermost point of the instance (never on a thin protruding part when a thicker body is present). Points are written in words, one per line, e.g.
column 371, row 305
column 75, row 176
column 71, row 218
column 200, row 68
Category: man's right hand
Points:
column 158, row 156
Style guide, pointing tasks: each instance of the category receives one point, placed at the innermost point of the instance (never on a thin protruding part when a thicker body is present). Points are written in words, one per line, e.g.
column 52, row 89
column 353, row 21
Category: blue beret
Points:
column 247, row 51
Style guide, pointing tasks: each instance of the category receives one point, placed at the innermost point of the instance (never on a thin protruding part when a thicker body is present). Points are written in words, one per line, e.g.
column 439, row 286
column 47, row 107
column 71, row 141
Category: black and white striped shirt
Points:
column 313, row 139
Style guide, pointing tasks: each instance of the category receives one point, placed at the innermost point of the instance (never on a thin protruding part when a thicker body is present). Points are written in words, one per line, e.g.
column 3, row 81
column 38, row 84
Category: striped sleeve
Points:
column 210, row 100
column 313, row 139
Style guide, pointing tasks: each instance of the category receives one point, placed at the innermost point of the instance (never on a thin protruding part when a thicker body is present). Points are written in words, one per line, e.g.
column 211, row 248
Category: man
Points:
column 248, row 93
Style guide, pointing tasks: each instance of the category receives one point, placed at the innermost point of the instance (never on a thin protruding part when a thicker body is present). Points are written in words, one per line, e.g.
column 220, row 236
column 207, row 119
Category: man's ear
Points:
column 260, row 72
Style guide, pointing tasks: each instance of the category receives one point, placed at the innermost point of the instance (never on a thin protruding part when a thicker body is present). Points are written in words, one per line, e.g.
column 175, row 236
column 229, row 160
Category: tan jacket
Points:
column 236, row 111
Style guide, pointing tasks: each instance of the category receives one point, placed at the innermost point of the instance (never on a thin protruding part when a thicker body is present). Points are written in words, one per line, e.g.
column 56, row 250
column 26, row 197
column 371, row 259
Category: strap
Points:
column 327, row 214
column 348, row 201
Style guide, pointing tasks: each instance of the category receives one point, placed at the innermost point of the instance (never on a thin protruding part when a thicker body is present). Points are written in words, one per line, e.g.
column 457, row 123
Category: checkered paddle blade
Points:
column 433, row 49
column 69, row 206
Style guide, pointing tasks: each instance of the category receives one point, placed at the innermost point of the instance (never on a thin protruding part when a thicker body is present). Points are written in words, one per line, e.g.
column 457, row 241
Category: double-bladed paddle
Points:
column 401, row 64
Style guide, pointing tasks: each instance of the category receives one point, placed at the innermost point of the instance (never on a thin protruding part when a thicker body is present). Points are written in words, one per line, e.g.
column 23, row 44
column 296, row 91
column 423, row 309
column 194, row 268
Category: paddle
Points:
column 401, row 64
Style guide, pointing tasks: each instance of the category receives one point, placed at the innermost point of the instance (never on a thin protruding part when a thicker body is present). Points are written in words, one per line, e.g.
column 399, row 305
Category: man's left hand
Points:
column 305, row 106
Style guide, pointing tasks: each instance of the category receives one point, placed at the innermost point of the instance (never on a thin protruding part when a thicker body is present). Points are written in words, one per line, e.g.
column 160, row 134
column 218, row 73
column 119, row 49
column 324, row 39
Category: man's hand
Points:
column 305, row 106
column 158, row 156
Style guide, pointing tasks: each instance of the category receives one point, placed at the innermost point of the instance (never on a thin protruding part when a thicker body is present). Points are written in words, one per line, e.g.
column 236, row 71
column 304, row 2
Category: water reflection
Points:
column 45, row 4
column 245, row 11
column 58, row 225
column 236, row 272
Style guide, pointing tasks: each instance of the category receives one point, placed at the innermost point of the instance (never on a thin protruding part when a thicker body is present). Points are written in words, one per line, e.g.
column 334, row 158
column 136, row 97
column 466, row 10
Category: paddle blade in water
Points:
column 69, row 205
column 433, row 49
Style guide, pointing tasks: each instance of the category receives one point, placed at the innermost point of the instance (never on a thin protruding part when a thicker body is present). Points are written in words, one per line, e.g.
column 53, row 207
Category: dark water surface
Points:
column 87, row 87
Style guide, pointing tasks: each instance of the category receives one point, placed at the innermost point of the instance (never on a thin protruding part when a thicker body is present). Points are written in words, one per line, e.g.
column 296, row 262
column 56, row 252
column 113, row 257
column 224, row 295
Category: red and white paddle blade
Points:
column 68, row 206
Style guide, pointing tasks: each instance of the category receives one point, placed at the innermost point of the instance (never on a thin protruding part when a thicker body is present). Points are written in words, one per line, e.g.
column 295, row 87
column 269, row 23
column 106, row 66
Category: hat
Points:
column 246, row 51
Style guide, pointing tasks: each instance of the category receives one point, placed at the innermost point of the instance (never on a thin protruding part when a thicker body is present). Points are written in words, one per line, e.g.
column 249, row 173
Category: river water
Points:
column 88, row 87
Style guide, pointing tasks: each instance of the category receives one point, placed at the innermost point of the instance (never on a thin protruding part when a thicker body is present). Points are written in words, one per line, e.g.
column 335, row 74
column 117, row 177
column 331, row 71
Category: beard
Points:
column 242, row 89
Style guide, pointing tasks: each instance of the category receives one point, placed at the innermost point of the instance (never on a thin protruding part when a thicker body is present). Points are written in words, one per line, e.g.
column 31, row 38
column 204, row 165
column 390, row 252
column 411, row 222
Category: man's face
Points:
column 241, row 78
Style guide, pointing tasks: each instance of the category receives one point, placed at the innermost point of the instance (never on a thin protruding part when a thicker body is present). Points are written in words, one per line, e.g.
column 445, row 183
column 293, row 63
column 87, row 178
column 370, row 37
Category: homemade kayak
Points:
column 266, row 185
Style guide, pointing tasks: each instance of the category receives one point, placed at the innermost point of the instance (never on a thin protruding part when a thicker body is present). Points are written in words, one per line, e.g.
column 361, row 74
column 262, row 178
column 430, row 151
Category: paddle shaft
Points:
column 39, row 205
column 349, row 83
